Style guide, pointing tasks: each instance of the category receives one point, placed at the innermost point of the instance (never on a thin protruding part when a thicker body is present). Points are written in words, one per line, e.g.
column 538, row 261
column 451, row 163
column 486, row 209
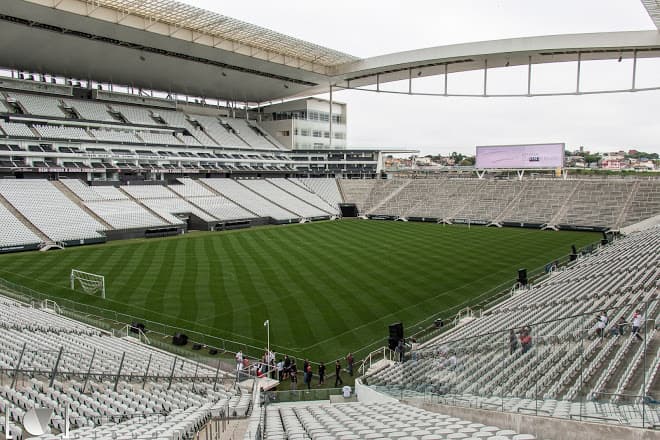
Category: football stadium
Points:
column 191, row 248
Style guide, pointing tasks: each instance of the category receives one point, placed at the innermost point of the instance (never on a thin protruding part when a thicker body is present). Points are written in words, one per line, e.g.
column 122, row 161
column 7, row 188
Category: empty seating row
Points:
column 50, row 210
column 593, row 202
column 374, row 421
column 13, row 232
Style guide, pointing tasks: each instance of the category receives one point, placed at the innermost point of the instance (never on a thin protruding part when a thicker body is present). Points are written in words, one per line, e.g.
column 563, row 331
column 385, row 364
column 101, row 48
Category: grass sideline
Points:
column 327, row 288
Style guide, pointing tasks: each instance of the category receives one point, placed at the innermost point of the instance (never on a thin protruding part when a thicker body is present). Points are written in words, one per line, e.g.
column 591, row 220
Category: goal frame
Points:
column 83, row 276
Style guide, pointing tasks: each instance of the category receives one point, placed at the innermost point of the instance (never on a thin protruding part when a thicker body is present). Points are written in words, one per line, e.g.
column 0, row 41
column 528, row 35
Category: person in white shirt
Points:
column 414, row 346
column 239, row 360
column 280, row 369
column 452, row 362
column 636, row 324
column 602, row 323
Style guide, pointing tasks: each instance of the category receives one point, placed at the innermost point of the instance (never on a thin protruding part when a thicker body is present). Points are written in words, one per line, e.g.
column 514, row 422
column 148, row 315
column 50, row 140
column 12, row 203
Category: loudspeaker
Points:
column 396, row 330
column 522, row 276
column 439, row 323
column 213, row 351
column 392, row 342
column 179, row 339
column 197, row 346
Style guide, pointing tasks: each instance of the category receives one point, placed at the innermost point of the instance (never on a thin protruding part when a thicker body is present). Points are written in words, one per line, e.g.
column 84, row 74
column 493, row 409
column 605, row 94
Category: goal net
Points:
column 89, row 283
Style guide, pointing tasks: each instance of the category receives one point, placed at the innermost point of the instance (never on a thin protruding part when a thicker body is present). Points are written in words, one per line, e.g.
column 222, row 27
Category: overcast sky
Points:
column 439, row 125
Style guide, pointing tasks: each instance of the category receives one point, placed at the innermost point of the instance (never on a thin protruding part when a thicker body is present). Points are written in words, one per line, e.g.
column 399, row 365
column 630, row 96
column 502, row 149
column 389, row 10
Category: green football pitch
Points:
column 327, row 288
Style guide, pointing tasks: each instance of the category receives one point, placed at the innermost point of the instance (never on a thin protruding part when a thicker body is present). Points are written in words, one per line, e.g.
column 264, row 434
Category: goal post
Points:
column 90, row 283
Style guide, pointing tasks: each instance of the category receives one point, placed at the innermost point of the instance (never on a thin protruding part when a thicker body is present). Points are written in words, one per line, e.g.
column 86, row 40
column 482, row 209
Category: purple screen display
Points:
column 521, row 156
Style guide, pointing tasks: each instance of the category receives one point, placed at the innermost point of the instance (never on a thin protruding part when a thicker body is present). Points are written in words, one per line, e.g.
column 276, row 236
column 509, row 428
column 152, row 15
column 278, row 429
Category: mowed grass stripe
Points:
column 328, row 288
column 344, row 313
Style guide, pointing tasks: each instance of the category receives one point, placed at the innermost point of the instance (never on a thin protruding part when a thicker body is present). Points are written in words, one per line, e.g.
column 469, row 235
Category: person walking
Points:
column 349, row 363
column 513, row 341
column 321, row 373
column 400, row 349
column 636, row 324
column 414, row 346
column 280, row 370
column 308, row 376
column 287, row 366
column 294, row 377
column 338, row 380
column 622, row 326
column 239, row 360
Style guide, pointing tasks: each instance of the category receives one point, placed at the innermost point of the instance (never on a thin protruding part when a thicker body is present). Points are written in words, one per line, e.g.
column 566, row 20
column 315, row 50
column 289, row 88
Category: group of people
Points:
column 619, row 329
column 523, row 338
column 286, row 369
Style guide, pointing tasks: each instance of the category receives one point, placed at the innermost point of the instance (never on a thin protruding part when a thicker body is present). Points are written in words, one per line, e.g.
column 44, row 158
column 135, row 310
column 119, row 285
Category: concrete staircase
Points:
column 562, row 211
column 627, row 206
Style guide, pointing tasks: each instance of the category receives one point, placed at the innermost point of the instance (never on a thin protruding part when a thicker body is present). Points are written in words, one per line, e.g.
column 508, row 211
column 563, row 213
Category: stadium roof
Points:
column 653, row 8
column 180, row 16
column 172, row 47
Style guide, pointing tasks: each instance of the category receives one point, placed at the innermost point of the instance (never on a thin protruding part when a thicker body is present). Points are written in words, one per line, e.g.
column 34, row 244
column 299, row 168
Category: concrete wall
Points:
column 368, row 395
column 542, row 427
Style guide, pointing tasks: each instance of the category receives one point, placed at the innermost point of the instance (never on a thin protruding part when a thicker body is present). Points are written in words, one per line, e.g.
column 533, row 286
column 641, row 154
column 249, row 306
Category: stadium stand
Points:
column 374, row 421
column 601, row 203
column 567, row 360
column 16, row 130
column 218, row 132
column 190, row 188
column 222, row 208
column 148, row 191
column 282, row 198
column 491, row 199
column 538, row 201
column 382, row 191
column 90, row 110
column 304, row 194
column 645, row 202
column 115, row 136
column 356, row 191
column 14, row 232
column 98, row 380
column 166, row 208
column 596, row 203
column 126, row 214
column 326, row 189
column 150, row 137
column 250, row 134
column 62, row 132
column 49, row 210
column 38, row 105
column 134, row 114
column 253, row 202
